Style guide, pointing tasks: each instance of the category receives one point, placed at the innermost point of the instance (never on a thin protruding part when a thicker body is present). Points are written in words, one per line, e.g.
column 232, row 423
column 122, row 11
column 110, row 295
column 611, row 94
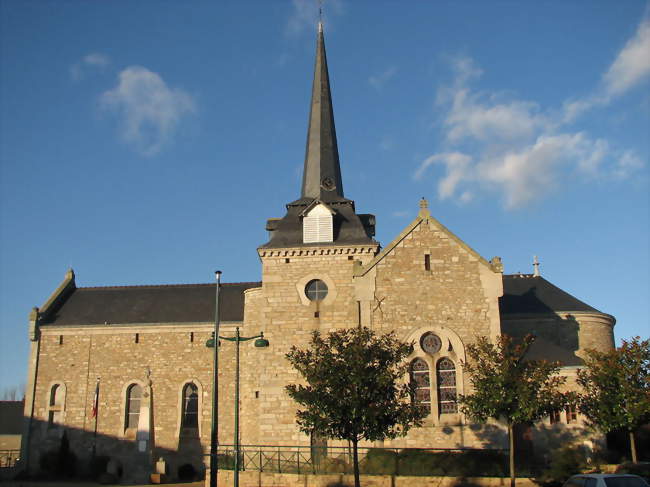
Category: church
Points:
column 124, row 373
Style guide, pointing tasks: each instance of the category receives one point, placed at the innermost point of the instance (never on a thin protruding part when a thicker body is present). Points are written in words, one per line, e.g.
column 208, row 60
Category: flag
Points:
column 95, row 401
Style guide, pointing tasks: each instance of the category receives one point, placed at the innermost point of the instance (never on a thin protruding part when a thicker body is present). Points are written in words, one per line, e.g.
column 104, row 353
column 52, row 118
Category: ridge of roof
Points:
column 149, row 286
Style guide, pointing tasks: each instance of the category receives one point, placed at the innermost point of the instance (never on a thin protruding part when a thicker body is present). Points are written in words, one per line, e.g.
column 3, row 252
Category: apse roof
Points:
column 527, row 293
column 178, row 303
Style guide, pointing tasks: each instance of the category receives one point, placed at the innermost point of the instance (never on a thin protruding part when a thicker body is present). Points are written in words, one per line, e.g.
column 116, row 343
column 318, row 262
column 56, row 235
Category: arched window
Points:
column 190, row 413
column 132, row 416
column 421, row 380
column 446, row 378
column 55, row 406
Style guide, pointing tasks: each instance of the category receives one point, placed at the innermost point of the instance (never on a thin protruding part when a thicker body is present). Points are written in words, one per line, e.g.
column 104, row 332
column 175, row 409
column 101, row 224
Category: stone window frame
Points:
column 179, row 429
column 331, row 289
column 129, row 433
column 52, row 408
column 450, row 339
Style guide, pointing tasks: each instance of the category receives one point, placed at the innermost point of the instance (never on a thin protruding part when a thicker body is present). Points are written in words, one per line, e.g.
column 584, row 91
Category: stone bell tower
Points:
column 308, row 263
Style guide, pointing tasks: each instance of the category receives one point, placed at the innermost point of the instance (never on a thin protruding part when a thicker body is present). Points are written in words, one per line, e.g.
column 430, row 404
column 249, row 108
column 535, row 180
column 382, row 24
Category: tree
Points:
column 355, row 387
column 509, row 388
column 13, row 393
column 616, row 388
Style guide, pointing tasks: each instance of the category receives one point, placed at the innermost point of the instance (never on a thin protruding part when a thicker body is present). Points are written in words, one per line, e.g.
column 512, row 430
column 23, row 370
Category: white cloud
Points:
column 632, row 64
column 627, row 164
column 519, row 175
column 93, row 60
column 378, row 81
column 304, row 14
column 149, row 110
column 458, row 167
column 526, row 175
column 511, row 146
column 484, row 116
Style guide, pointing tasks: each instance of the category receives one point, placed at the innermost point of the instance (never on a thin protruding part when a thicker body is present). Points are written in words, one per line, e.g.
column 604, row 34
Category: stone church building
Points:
column 125, row 372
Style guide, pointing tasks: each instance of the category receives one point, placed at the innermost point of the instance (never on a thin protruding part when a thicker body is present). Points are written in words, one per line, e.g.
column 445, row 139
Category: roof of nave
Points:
column 176, row 303
column 527, row 293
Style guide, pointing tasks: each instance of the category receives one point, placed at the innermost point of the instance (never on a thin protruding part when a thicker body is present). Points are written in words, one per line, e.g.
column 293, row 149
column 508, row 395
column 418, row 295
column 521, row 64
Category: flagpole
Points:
column 95, row 414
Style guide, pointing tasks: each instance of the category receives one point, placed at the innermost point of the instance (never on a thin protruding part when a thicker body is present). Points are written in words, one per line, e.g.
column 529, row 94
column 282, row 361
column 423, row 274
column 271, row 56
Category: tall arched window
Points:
column 55, row 406
column 421, row 380
column 132, row 416
column 190, row 413
column 446, row 378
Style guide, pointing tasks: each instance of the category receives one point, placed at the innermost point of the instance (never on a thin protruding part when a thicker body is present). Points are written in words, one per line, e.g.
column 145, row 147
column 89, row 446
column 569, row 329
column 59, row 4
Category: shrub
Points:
column 60, row 462
column 98, row 465
column 186, row 472
column 565, row 461
column 379, row 462
column 334, row 465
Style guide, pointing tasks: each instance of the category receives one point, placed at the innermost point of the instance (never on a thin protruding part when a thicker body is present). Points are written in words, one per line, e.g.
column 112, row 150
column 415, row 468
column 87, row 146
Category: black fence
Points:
column 372, row 461
column 8, row 458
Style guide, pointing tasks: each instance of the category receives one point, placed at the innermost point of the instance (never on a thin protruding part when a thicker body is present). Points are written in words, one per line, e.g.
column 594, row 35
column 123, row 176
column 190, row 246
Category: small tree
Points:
column 354, row 387
column 509, row 388
column 616, row 388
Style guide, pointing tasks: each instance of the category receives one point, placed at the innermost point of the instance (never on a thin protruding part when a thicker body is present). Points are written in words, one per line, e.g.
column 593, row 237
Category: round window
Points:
column 430, row 343
column 316, row 290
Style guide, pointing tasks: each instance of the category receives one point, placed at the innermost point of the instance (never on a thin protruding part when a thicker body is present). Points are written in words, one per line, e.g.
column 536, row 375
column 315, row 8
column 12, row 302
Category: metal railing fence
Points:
column 372, row 461
column 8, row 458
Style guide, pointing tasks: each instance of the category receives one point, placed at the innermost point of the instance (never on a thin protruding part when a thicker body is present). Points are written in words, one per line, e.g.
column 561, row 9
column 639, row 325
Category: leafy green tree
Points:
column 616, row 388
column 355, row 387
column 508, row 388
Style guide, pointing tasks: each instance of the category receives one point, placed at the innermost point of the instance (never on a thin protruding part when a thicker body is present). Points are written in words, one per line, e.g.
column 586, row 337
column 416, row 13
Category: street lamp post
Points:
column 260, row 342
column 214, row 461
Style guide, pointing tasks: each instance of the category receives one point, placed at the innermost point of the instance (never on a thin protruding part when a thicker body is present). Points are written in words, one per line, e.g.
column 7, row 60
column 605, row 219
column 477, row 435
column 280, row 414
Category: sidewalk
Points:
column 62, row 483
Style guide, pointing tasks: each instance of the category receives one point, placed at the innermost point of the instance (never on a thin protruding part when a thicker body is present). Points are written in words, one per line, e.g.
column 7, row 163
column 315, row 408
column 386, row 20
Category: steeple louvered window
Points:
column 317, row 225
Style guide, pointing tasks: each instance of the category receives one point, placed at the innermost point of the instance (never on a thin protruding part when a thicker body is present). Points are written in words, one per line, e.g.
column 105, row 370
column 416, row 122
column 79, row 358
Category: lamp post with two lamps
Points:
column 260, row 342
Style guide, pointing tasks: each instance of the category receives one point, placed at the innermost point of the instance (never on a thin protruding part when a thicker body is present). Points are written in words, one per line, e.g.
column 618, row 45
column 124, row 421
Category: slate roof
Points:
column 11, row 417
column 178, row 303
column 543, row 349
column 526, row 293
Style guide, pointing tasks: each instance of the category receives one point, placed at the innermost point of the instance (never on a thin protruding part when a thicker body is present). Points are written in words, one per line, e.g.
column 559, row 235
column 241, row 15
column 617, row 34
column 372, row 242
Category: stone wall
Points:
column 169, row 356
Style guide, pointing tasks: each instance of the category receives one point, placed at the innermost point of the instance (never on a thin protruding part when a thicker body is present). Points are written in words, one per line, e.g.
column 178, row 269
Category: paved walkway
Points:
column 34, row 483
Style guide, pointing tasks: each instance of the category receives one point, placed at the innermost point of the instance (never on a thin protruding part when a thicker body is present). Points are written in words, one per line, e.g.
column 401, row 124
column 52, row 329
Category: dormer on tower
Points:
column 317, row 223
column 322, row 215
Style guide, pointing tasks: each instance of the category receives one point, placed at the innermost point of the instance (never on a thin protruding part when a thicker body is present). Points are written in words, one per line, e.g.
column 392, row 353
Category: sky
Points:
column 148, row 142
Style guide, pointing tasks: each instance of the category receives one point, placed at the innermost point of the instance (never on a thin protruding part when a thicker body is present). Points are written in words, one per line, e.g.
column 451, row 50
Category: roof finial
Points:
column 536, row 266
column 424, row 208
column 320, row 15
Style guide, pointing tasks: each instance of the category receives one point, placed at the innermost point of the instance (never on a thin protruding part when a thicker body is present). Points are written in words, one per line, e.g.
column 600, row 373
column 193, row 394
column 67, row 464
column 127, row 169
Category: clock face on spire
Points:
column 328, row 184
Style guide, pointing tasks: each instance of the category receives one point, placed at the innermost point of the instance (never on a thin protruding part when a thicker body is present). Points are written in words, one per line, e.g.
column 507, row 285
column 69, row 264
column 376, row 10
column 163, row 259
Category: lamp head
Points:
column 261, row 342
column 217, row 275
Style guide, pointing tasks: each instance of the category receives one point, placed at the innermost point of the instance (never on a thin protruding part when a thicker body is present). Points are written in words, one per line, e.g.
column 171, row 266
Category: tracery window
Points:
column 446, row 378
column 421, row 380
column 190, row 413
column 571, row 414
column 55, row 406
column 132, row 416
column 554, row 416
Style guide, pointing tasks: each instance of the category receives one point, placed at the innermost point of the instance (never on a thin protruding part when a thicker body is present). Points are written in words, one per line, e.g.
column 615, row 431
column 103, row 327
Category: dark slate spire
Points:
column 321, row 181
column 322, row 173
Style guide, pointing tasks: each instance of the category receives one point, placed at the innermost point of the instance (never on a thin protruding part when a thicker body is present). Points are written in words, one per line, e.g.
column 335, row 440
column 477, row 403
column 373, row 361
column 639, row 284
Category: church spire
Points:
column 322, row 173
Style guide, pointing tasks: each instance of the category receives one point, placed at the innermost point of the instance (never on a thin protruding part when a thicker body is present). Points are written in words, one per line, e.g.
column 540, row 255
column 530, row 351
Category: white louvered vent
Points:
column 317, row 225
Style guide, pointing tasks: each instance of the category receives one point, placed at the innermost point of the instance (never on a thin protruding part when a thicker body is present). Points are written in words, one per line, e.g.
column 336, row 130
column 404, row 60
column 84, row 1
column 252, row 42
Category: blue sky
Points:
column 148, row 142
